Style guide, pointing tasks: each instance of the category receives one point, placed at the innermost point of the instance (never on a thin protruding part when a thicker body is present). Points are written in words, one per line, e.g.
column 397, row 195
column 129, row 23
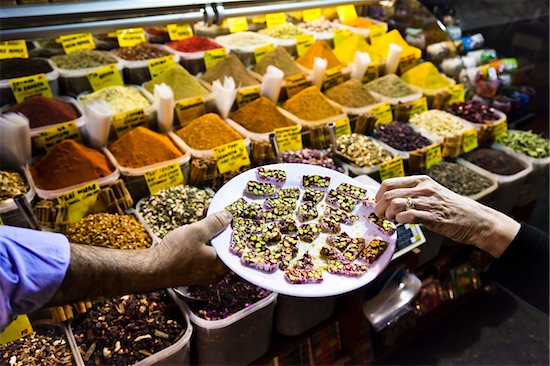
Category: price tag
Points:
column 311, row 14
column 289, row 138
column 383, row 113
column 419, row 106
column 1, row 223
column 247, row 95
column 407, row 62
column 275, row 19
column 258, row 20
column 212, row 57
column 469, row 140
column 237, row 24
column 80, row 200
column 346, row 13
column 342, row 127
column 54, row 135
column 166, row 176
column 230, row 157
column 13, row 49
column 125, row 122
column 457, row 94
column 500, row 128
column 260, row 52
column 30, row 86
column 75, row 42
column 333, row 77
column 392, row 169
column 130, row 37
column 190, row 109
column 340, row 35
column 104, row 77
column 433, row 155
column 303, row 42
column 295, row 84
column 18, row 328
column 376, row 30
column 160, row 65
column 178, row 32
column 371, row 73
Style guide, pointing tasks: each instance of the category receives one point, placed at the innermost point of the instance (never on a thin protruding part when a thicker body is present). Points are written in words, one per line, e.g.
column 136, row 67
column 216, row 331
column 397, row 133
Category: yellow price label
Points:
column 166, row 176
column 247, row 95
column 392, row 169
column 13, row 49
column 457, row 94
column 259, row 20
column 190, row 109
column 1, row 223
column 29, row 86
column 303, row 42
column 500, row 128
column 19, row 327
column 340, row 35
column 130, row 37
column 104, row 77
column 295, row 84
column 311, row 14
column 469, row 140
column 275, row 19
column 230, row 157
column 160, row 65
column 433, row 155
column 260, row 52
column 407, row 62
column 178, row 32
column 127, row 121
column 212, row 57
column 376, row 30
column 371, row 73
column 237, row 24
column 342, row 127
column 80, row 200
column 419, row 106
column 383, row 113
column 75, row 42
column 333, row 77
column 54, row 135
column 289, row 138
column 346, row 13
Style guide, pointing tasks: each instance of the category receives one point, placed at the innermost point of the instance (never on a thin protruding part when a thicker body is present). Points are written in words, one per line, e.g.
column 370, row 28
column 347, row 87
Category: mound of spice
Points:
column 320, row 49
column 43, row 111
column 351, row 93
column 361, row 150
column 390, row 86
column 310, row 105
column 225, row 298
column 121, row 99
column 142, row 147
column 125, row 330
column 230, row 66
column 245, row 39
column 359, row 23
column 83, row 59
column 345, row 50
column 11, row 184
column 183, row 84
column 194, row 44
column 526, row 142
column 11, row 68
column 279, row 58
column 380, row 45
column 440, row 123
column 260, row 116
column 174, row 207
column 45, row 346
column 207, row 132
column 141, row 51
column 311, row 157
column 426, row 76
column 69, row 163
column 474, row 111
column 282, row 31
column 320, row 25
column 109, row 231
column 458, row 178
column 495, row 161
column 400, row 136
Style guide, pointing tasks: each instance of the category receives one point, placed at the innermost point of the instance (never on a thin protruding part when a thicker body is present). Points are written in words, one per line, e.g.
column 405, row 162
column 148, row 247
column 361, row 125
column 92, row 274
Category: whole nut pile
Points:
column 11, row 184
column 440, row 123
column 125, row 330
column 473, row 111
column 46, row 346
column 321, row 24
column 311, row 157
column 458, row 178
column 109, row 231
column 400, row 136
column 174, row 207
column 361, row 150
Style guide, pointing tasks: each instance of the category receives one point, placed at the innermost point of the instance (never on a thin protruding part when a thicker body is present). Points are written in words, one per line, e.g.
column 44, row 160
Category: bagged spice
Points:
column 458, row 178
column 230, row 66
column 279, row 58
column 194, row 44
column 260, row 116
column 282, row 31
column 390, row 86
column 11, row 184
column 11, row 68
column 439, row 123
column 207, row 132
column 352, row 94
column 83, row 59
column 141, row 51
column 310, row 105
column 322, row 50
column 400, row 136
column 121, row 99
column 361, row 150
column 142, row 147
column 44, row 111
column 526, row 142
column 183, row 84
column 495, row 161
column 69, row 163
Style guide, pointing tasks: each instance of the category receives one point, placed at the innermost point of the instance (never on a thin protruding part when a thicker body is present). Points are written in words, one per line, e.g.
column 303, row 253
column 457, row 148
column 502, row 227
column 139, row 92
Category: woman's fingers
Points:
column 403, row 182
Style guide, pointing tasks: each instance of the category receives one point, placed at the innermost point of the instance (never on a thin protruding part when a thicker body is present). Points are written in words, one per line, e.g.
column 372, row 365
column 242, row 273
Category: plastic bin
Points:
column 74, row 82
column 8, row 208
column 246, row 54
column 295, row 315
column 238, row 339
column 137, row 72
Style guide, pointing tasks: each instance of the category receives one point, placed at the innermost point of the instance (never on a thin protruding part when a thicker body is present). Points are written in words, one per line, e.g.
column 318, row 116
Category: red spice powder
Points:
column 44, row 111
column 194, row 44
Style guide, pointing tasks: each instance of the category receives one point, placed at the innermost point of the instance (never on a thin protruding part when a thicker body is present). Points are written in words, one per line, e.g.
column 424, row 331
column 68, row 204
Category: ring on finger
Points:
column 410, row 204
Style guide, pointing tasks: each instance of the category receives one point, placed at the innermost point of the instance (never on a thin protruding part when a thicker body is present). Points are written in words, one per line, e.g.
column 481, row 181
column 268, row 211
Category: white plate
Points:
column 332, row 284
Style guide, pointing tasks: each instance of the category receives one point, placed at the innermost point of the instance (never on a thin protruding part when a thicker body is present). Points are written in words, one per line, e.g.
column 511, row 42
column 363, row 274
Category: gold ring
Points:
column 410, row 204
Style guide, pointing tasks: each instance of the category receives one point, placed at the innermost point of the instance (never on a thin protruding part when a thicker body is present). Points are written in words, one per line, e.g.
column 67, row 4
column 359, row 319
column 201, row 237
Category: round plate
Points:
column 332, row 284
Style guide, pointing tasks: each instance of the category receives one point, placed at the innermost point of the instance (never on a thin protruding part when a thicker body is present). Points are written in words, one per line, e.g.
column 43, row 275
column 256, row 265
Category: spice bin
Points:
column 321, row 28
column 8, row 208
column 295, row 315
column 377, row 86
column 193, row 61
column 244, row 50
column 365, row 32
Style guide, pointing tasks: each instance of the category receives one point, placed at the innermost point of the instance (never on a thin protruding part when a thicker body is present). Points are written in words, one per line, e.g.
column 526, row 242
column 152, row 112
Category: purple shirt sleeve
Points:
column 32, row 267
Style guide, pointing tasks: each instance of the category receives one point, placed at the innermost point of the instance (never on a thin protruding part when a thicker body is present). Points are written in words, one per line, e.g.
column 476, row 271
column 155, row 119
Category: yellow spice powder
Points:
column 207, row 132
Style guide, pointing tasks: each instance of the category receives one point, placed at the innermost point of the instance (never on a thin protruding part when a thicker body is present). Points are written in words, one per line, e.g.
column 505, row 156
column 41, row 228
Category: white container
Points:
column 358, row 170
column 364, row 32
column 238, row 339
column 9, row 204
column 253, row 74
column 295, row 315
column 137, row 72
column 245, row 53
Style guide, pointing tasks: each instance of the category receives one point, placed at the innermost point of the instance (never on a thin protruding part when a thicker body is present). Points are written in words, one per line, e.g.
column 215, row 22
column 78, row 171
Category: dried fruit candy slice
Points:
column 348, row 246
column 351, row 190
column 287, row 224
column 252, row 211
column 315, row 181
column 340, row 215
column 369, row 202
column 288, row 193
column 313, row 195
column 338, row 264
column 373, row 250
column 259, row 259
column 384, row 225
column 271, row 233
column 271, row 175
column 237, row 207
column 329, row 224
column 277, row 213
column 285, row 251
column 259, row 189
column 340, row 200
column 309, row 232
column 304, row 271
column 272, row 203
column 241, row 224
column 307, row 212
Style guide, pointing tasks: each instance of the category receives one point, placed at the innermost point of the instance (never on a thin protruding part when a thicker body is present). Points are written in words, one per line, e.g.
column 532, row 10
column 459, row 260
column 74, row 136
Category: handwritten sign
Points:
column 18, row 328
column 333, row 77
column 247, row 95
column 75, row 42
column 392, row 169
column 346, row 13
column 30, row 86
column 127, row 121
column 289, row 138
column 14, row 49
column 303, row 42
column 500, row 128
column 383, row 113
column 469, row 140
column 130, row 37
column 166, row 176
column 407, row 62
column 295, row 84
column 212, row 57
column 237, row 24
column 160, row 65
column 230, row 157
column 433, row 155
column 54, row 135
column 419, row 106
column 275, row 19
column 177, row 32
column 457, row 94
column 342, row 127
column 190, row 109
column 371, row 73
column 376, row 30
column 80, row 200
column 104, row 77
column 260, row 52
column 311, row 14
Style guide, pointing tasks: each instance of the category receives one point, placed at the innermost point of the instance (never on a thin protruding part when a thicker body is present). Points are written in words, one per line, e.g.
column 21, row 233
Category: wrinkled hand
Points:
column 445, row 212
column 185, row 255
